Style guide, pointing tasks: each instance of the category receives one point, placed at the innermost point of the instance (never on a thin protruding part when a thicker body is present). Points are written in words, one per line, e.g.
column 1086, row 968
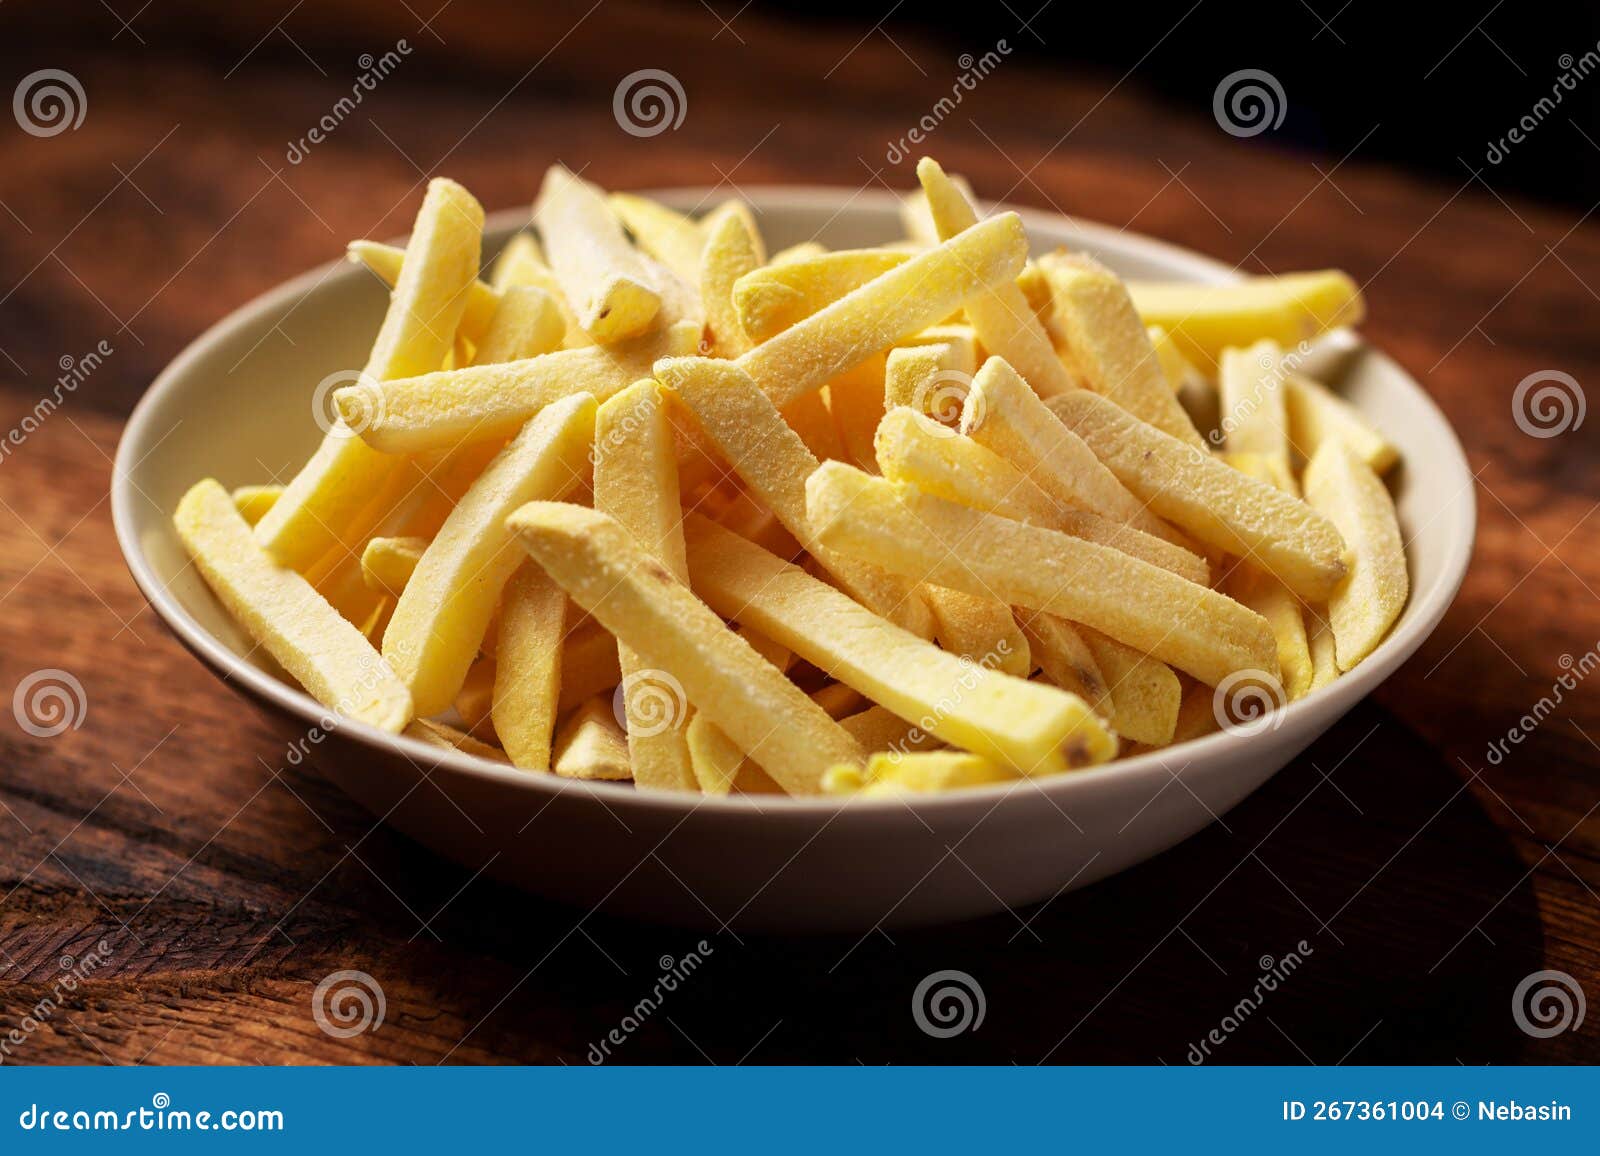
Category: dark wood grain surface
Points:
column 1426, row 882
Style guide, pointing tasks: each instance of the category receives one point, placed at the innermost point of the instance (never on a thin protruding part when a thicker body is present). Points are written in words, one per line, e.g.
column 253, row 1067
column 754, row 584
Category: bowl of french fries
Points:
column 812, row 558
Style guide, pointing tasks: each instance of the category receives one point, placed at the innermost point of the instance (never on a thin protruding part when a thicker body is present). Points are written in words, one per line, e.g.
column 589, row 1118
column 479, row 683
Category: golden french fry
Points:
column 388, row 563
column 1197, row 714
column 978, row 629
column 1254, row 417
column 838, row 699
column 254, row 501
column 931, row 379
column 1201, row 494
column 1317, row 415
column 447, row 737
column 1178, row 369
column 290, row 620
column 803, row 251
column 879, row 729
column 1144, row 692
column 856, row 399
column 810, row 418
column 1320, row 644
column 1177, row 621
column 916, row 216
column 1035, row 728
column 439, row 623
column 474, row 702
column 1266, row 595
column 771, row 298
column 591, row 745
column 1065, row 658
column 907, row 299
column 1004, row 320
column 588, row 665
column 666, row 234
column 899, row 774
column 526, row 696
column 527, row 324
column 1361, row 610
column 732, row 250
column 387, row 260
column 522, row 262
column 715, row 758
column 601, row 274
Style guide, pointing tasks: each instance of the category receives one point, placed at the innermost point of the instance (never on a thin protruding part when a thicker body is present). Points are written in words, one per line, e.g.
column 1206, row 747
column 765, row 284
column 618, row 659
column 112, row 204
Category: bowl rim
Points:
column 1426, row 608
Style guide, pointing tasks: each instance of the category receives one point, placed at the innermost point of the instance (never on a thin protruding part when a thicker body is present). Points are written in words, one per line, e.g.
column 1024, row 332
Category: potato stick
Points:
column 838, row 700
column 803, row 251
column 1317, row 415
column 1219, row 505
column 1273, row 470
column 979, row 630
column 731, row 251
column 254, row 501
column 1004, row 320
column 526, row 695
column 1206, row 319
column 591, row 745
column 808, row 415
column 1144, row 692
column 715, row 758
column 772, row 298
column 447, row 737
column 1266, row 595
column 388, row 563
column 588, row 665
column 1062, row 653
column 339, row 495
column 961, row 335
column 439, row 410
column 916, row 216
column 879, row 729
column 774, row 652
column 522, row 262
column 1109, row 344
column 283, row 614
column 774, row 463
column 387, row 260
column 666, row 234
column 1178, row 369
column 749, row 519
column 680, row 299
column 1183, row 624
column 474, row 702
column 634, row 597
column 1343, row 488
column 1324, row 663
column 527, row 324
column 913, row 450
column 636, row 482
column 1035, row 728
column 1197, row 714
column 907, row 299
column 1254, row 418
column 601, row 274
column 444, row 478
column 440, row 621
column 931, row 379
column 855, row 399
column 927, row 771
column 1035, row 289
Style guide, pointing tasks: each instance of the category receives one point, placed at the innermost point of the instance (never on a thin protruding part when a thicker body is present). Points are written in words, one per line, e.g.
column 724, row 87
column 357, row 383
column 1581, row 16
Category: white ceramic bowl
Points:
column 239, row 400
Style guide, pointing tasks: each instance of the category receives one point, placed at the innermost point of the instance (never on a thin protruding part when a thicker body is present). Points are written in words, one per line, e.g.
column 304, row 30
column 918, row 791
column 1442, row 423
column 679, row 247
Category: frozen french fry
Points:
column 856, row 399
column 907, row 299
column 1064, row 656
column 1177, row 621
column 1320, row 645
column 439, row 623
column 979, row 630
column 474, row 702
column 925, row 771
column 254, row 501
column 601, row 274
column 1254, row 417
column 770, row 299
column 732, row 250
column 1178, row 369
column 388, row 563
column 666, row 234
column 802, row 251
column 604, row 571
column 1366, row 604
column 588, row 665
column 528, row 666
column 916, row 216
column 838, row 699
column 1218, row 504
column 715, row 758
column 931, row 379
column 527, row 324
column 521, row 263
column 1318, row 415
column 1197, row 714
column 1266, row 595
column 591, row 745
column 447, row 737
column 1035, row 728
column 1144, row 693
column 808, row 415
column 286, row 617
column 879, row 729
column 387, row 260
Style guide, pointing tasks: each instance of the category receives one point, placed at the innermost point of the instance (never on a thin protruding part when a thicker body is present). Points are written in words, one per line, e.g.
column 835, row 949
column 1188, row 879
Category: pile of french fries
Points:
column 649, row 504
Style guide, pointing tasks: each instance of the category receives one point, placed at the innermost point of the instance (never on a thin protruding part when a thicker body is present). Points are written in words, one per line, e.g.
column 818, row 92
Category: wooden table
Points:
column 1426, row 882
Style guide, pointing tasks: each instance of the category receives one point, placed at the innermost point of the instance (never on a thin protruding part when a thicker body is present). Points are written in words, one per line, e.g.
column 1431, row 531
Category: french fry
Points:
column 1109, row 344
column 588, row 665
column 599, row 271
column 978, row 629
column 286, row 617
column 332, row 501
column 1004, row 320
column 1318, row 415
column 666, row 234
column 732, row 250
column 446, row 737
column 474, row 702
column 254, row 501
column 808, row 415
column 890, row 775
column 803, row 251
column 1266, row 595
column 522, row 262
column 1206, row 319
column 526, row 696
column 879, row 729
column 1320, row 644
column 1144, row 693
column 387, row 260
column 1179, row 622
column 838, row 699
column 1178, row 369
column 856, row 399
column 931, row 379
column 527, row 324
column 603, row 570
column 591, row 745
column 715, row 758
column 770, row 299
column 439, row 623
column 1035, row 728
column 1361, row 610
column 1254, row 417
column 388, row 563
column 891, row 307
column 1219, row 505
column 1065, row 658
column 774, row 463
column 438, row 411
column 1197, row 714
column 916, row 215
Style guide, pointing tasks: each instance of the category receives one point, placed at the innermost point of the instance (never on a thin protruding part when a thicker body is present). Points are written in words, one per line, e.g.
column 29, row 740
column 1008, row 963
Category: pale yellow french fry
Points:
column 1206, row 319
column 856, row 399
column 750, row 519
column 978, row 629
column 1065, row 658
column 253, row 502
column 810, row 418
column 1144, row 692
column 438, row 411
column 666, row 234
column 522, row 262
column 604, row 571
column 591, row 745
column 931, row 379
column 290, row 620
column 527, row 324
column 1265, row 594
column 1179, row 371
column 879, row 729
column 342, row 492
column 1361, row 610
column 774, row 652
column 441, row 618
column 588, row 665
column 1002, row 316
column 906, row 300
column 447, row 737
column 388, row 563
column 1037, row 729
column 803, row 251
column 1109, row 344
column 680, row 299
column 1320, row 644
column 474, row 702
column 838, row 699
column 1197, row 714
column 528, row 666
column 1219, row 505
column 732, row 250
column 774, row 297
column 601, row 274
column 774, row 463
column 1177, row 621
column 921, row 772
column 1254, row 419
column 715, row 758
column 1317, row 415
column 387, row 260
column 916, row 216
